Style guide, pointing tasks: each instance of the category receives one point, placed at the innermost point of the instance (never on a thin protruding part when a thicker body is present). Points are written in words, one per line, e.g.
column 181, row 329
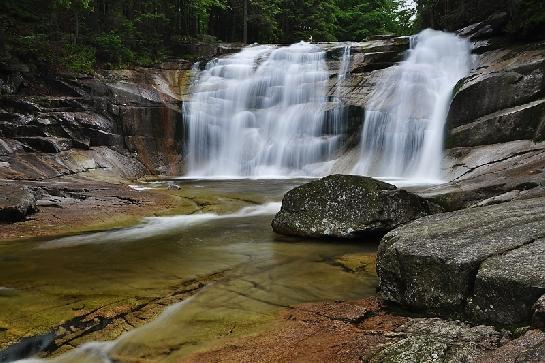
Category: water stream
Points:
column 403, row 129
column 261, row 273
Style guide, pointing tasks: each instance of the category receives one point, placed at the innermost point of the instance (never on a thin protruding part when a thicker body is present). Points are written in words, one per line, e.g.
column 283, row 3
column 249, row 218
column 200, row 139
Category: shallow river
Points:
column 250, row 274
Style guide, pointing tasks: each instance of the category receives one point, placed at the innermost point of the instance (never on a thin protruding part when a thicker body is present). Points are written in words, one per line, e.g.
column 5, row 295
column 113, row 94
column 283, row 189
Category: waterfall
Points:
column 259, row 113
column 337, row 121
column 404, row 123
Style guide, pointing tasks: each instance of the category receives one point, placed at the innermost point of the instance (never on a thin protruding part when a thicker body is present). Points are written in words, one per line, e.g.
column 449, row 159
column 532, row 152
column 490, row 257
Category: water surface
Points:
column 261, row 273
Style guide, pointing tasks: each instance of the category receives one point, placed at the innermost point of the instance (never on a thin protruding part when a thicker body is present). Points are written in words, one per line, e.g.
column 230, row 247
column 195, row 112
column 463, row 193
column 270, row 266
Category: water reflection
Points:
column 263, row 273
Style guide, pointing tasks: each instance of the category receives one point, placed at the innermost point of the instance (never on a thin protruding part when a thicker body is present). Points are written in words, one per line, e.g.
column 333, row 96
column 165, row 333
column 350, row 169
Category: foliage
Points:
column 528, row 19
column 112, row 50
column 83, row 34
column 80, row 58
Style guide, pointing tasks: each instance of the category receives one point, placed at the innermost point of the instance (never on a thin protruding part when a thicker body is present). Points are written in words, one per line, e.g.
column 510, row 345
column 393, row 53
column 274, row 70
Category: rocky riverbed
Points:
column 459, row 270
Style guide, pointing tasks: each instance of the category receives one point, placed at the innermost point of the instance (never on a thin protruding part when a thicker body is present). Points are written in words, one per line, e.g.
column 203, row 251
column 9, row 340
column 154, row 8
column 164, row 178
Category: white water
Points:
column 99, row 351
column 404, row 123
column 153, row 226
column 259, row 113
column 337, row 121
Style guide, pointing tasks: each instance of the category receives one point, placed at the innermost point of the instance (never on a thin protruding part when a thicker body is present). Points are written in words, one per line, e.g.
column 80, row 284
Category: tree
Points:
column 77, row 6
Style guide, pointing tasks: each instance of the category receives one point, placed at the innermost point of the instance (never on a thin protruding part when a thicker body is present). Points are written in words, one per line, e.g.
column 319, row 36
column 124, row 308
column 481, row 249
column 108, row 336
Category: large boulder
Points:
column 15, row 203
column 508, row 285
column 484, row 262
column 347, row 206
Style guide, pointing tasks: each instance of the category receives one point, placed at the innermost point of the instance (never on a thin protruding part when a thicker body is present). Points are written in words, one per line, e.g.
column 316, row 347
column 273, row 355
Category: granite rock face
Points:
column 347, row 206
column 62, row 126
column 508, row 285
column 484, row 262
column 436, row 340
column 502, row 99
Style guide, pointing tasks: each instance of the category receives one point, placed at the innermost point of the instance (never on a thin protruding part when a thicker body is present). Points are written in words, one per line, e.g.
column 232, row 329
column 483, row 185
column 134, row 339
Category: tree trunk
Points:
column 76, row 35
column 245, row 23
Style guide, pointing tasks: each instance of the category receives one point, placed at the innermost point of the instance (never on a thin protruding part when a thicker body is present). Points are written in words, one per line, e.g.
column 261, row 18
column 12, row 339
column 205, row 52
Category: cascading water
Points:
column 337, row 121
column 403, row 131
column 259, row 113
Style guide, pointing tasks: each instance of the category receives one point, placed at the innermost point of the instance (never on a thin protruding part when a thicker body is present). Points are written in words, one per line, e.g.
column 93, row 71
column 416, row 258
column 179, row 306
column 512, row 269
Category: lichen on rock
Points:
column 347, row 206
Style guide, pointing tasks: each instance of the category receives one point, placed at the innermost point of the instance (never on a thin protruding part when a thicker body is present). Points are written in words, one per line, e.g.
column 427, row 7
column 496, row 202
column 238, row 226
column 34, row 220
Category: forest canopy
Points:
column 115, row 33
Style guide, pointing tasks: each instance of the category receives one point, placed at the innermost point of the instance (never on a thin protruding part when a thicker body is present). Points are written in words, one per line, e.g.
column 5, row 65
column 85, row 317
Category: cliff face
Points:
column 127, row 123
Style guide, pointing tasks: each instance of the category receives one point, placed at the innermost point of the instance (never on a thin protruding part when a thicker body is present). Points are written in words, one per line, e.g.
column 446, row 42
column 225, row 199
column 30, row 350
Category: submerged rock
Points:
column 347, row 206
column 486, row 262
column 16, row 203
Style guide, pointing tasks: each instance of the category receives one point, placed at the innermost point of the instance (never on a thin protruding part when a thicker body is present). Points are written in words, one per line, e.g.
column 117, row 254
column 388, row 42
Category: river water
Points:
column 257, row 273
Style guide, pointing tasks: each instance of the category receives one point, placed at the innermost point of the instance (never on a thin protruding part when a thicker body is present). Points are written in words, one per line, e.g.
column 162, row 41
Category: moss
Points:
column 358, row 262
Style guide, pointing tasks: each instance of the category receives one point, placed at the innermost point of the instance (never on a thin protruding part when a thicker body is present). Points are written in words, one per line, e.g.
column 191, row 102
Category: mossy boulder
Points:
column 347, row 206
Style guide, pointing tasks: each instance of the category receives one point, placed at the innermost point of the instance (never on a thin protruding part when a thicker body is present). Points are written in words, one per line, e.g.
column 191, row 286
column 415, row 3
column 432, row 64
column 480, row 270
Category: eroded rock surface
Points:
column 484, row 261
column 126, row 121
column 366, row 331
column 347, row 206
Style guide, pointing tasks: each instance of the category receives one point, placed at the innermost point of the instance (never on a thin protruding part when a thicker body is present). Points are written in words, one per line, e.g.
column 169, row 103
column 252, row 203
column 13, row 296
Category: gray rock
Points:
column 529, row 348
column 489, row 174
column 15, row 203
column 492, row 26
column 433, row 263
column 517, row 123
column 538, row 317
column 347, row 206
column 507, row 285
column 480, row 95
column 508, row 77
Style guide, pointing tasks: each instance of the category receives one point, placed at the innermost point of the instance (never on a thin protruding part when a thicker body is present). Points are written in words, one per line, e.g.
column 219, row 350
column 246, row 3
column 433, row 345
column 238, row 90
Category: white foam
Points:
column 153, row 226
column 403, row 130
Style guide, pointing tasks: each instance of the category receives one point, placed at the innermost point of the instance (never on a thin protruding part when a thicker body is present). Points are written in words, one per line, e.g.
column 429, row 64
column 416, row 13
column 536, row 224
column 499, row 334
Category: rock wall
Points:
column 370, row 62
column 124, row 123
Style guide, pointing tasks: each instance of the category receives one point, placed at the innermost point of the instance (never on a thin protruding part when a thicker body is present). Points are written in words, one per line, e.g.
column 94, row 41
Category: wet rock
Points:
column 45, row 144
column 538, row 317
column 492, row 26
column 440, row 262
column 377, row 60
column 489, row 174
column 478, row 95
column 15, row 203
column 347, row 206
